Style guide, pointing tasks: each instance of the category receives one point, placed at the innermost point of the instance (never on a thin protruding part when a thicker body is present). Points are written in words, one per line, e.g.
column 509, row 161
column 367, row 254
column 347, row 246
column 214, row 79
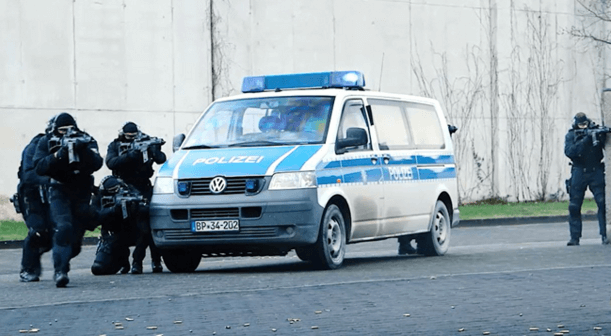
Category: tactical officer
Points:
column 68, row 156
column 584, row 146
column 130, row 157
column 117, row 207
column 34, row 209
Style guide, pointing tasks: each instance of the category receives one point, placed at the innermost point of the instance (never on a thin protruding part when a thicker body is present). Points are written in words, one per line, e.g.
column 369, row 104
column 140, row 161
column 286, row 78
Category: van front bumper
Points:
column 271, row 222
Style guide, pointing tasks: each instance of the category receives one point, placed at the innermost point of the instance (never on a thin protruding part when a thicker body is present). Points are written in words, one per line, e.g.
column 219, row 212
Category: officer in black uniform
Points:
column 584, row 146
column 35, row 212
column 136, row 169
column 117, row 208
column 68, row 157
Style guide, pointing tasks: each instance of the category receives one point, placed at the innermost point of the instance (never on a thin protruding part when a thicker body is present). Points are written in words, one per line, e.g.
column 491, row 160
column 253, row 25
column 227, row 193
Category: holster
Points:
column 567, row 182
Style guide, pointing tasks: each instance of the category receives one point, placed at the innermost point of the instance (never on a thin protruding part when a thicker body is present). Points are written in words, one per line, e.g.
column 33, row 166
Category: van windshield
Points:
column 262, row 122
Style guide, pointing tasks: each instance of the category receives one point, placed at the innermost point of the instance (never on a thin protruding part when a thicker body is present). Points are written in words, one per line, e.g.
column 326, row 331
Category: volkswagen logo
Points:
column 218, row 184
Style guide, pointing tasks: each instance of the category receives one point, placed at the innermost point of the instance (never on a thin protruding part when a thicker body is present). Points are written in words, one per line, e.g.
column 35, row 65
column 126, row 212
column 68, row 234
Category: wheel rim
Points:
column 334, row 238
column 440, row 228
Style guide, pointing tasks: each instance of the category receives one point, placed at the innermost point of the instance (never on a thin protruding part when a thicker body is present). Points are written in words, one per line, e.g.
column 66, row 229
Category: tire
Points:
column 305, row 253
column 330, row 248
column 437, row 241
column 181, row 261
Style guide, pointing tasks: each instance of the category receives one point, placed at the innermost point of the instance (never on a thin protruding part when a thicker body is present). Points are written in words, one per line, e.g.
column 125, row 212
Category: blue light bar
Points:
column 318, row 80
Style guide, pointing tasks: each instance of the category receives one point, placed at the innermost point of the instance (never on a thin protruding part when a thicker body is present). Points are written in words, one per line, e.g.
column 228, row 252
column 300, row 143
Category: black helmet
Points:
column 111, row 185
column 580, row 119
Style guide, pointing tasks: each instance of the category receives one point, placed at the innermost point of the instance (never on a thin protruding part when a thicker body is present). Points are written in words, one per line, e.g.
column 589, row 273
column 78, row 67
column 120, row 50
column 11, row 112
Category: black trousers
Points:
column 112, row 253
column 36, row 216
column 69, row 208
column 145, row 239
column 581, row 179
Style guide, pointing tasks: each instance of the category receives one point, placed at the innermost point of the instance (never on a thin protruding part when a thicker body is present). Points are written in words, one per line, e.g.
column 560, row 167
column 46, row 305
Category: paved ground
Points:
column 502, row 279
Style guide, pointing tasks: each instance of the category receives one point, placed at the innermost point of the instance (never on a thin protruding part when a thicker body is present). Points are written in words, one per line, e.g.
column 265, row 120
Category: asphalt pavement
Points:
column 495, row 279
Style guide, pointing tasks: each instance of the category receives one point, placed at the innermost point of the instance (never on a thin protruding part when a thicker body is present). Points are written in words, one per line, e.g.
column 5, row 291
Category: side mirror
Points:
column 452, row 129
column 177, row 142
column 355, row 137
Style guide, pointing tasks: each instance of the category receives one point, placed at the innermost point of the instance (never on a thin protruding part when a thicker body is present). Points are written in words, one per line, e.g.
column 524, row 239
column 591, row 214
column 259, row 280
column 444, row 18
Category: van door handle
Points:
column 374, row 160
column 386, row 160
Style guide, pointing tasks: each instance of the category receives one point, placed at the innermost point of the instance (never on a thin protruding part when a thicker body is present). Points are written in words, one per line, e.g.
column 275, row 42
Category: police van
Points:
column 306, row 162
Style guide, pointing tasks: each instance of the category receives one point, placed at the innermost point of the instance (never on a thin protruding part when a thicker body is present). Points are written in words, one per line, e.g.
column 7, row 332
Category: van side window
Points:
column 390, row 123
column 353, row 116
column 426, row 128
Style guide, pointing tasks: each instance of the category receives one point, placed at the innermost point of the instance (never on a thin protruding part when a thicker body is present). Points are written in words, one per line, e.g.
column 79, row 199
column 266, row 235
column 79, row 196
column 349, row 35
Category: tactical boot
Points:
column 573, row 242
column 156, row 266
column 28, row 276
column 137, row 267
column 605, row 240
column 406, row 248
column 125, row 267
column 61, row 279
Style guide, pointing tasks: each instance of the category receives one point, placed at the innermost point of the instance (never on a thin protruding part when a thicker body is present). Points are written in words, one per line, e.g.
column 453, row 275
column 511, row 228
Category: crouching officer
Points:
column 130, row 157
column 118, row 209
column 68, row 156
column 583, row 144
column 30, row 200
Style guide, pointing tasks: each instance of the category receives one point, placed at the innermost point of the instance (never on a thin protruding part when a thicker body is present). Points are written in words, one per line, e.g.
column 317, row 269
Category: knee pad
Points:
column 574, row 207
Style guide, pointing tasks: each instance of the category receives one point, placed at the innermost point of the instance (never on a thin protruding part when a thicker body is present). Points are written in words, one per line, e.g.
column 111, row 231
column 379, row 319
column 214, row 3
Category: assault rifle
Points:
column 595, row 131
column 122, row 197
column 69, row 140
column 142, row 144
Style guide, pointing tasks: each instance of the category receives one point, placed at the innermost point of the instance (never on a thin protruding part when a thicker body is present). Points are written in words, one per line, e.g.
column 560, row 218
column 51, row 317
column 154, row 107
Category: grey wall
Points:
column 505, row 71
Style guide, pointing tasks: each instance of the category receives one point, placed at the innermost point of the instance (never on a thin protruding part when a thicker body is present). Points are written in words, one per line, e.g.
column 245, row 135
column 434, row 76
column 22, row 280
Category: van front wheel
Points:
column 181, row 261
column 331, row 244
column 437, row 241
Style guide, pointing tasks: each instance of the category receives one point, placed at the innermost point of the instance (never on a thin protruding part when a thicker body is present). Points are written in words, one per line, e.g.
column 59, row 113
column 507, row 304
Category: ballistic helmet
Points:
column 110, row 184
column 581, row 120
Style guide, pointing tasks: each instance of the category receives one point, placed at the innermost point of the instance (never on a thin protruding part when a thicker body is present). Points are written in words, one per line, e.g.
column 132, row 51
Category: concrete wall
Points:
column 505, row 72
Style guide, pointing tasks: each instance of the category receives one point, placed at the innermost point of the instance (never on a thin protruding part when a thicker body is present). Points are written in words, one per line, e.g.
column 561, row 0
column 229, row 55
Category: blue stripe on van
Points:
column 419, row 169
column 435, row 159
column 436, row 173
column 298, row 158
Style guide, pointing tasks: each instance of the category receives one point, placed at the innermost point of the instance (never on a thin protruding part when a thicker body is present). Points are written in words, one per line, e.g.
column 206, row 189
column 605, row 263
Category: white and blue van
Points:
column 309, row 162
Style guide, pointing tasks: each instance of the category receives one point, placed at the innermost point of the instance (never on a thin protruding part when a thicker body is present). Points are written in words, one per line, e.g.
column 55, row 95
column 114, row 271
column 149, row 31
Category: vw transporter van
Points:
column 306, row 162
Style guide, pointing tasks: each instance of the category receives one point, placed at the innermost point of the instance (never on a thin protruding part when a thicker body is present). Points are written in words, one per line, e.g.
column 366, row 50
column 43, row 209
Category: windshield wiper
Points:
column 256, row 143
column 199, row 147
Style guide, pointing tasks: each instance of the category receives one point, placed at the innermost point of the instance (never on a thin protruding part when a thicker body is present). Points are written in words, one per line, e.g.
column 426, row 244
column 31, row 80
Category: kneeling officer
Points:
column 118, row 208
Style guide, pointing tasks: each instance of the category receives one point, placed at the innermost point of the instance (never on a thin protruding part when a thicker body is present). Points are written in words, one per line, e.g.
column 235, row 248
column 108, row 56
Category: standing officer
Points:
column 584, row 146
column 68, row 157
column 33, row 207
column 135, row 167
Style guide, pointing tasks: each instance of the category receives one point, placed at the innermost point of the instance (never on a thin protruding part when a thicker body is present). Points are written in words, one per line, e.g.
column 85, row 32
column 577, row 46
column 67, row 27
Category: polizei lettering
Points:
column 401, row 173
column 233, row 159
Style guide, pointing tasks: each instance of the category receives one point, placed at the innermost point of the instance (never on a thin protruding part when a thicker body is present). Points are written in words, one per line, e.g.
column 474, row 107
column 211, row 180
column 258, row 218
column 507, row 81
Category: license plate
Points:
column 220, row 225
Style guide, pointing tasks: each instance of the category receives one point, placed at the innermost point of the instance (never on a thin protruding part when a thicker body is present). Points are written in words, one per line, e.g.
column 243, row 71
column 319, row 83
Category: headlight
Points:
column 293, row 181
column 163, row 185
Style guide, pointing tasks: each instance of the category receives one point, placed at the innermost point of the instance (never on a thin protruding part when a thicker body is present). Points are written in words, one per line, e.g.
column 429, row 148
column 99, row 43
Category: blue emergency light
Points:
column 313, row 80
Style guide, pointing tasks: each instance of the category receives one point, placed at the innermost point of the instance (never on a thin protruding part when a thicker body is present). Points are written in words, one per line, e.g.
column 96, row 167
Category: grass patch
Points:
column 482, row 210
column 16, row 230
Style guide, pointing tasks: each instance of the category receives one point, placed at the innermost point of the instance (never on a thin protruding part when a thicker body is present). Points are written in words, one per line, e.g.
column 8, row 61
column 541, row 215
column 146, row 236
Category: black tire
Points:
column 181, row 261
column 305, row 253
column 437, row 241
column 330, row 248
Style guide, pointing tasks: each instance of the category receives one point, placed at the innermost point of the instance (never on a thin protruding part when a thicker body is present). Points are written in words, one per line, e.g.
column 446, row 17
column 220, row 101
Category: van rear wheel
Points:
column 437, row 241
column 330, row 248
column 181, row 261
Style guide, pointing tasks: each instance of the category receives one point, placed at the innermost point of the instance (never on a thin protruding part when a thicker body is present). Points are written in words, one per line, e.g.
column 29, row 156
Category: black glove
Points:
column 80, row 144
column 62, row 153
column 135, row 155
